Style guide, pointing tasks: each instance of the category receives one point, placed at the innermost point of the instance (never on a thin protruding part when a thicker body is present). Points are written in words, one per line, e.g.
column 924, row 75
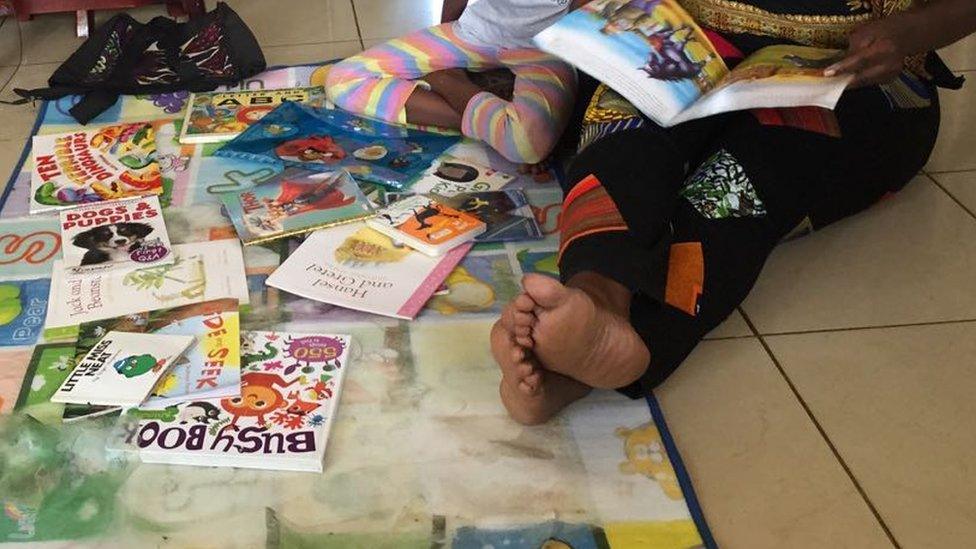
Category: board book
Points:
column 355, row 267
column 125, row 232
column 451, row 175
column 426, row 225
column 294, row 202
column 281, row 420
column 96, row 165
column 507, row 214
column 656, row 56
column 121, row 369
column 212, row 117
column 326, row 140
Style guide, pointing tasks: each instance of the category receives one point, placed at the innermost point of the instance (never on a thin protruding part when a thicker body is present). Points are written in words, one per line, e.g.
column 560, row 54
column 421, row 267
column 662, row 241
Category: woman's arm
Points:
column 452, row 10
column 877, row 50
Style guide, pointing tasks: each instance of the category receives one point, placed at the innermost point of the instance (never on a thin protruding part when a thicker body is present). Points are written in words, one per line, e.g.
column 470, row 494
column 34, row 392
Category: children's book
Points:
column 294, row 202
column 654, row 54
column 281, row 420
column 426, row 225
column 325, row 140
column 49, row 366
column 86, row 166
column 355, row 267
column 121, row 369
column 450, row 176
column 212, row 117
column 201, row 271
column 124, row 232
column 507, row 214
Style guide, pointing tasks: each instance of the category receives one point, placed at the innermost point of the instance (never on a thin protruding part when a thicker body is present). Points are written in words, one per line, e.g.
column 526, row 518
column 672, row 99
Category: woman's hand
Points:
column 875, row 53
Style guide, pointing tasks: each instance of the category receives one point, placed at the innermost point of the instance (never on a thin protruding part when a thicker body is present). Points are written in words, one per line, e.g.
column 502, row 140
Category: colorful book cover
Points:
column 49, row 366
column 217, row 116
column 355, row 267
column 426, row 224
column 326, row 140
column 281, row 420
column 450, row 176
column 125, row 232
column 86, row 166
column 507, row 214
column 295, row 202
column 121, row 369
column 23, row 306
column 202, row 271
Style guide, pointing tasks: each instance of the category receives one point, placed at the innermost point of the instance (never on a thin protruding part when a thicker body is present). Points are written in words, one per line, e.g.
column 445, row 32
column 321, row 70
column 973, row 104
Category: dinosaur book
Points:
column 86, row 166
column 121, row 369
column 290, row 389
column 294, row 202
column 356, row 267
column 654, row 56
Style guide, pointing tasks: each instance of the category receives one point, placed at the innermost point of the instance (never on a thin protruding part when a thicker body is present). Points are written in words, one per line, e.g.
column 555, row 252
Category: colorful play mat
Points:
column 422, row 453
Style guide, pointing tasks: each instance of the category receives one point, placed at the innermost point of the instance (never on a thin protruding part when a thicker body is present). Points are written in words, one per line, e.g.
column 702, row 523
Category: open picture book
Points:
column 653, row 54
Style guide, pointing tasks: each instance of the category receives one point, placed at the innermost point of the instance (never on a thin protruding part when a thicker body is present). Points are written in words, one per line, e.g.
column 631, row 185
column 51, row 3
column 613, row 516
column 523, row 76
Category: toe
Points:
column 524, row 303
column 546, row 292
column 525, row 341
column 523, row 320
column 522, row 331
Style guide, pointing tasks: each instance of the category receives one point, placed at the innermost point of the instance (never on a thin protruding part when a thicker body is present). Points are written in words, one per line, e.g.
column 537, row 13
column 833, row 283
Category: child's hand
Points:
column 875, row 52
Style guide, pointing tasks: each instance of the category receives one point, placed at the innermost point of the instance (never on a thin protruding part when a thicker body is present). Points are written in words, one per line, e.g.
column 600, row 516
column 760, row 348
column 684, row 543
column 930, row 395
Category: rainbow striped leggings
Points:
column 377, row 83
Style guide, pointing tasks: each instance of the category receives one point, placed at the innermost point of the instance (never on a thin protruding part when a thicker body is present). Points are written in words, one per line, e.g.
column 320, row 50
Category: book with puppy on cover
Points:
column 124, row 232
column 96, row 165
column 121, row 369
column 290, row 390
column 654, row 54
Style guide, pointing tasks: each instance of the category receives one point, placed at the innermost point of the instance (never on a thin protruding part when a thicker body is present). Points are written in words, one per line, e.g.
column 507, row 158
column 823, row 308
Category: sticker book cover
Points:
column 202, row 271
column 281, row 420
column 325, row 140
column 217, row 116
column 450, row 176
column 355, row 267
column 121, row 369
column 295, row 202
column 426, row 224
column 125, row 232
column 86, row 166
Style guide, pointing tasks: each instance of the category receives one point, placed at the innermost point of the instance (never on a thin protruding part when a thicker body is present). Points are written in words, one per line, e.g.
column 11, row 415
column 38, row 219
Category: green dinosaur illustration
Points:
column 270, row 352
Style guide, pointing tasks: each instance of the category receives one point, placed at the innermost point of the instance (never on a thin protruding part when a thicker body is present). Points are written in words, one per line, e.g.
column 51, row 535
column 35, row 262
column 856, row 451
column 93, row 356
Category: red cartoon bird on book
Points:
column 297, row 198
column 320, row 149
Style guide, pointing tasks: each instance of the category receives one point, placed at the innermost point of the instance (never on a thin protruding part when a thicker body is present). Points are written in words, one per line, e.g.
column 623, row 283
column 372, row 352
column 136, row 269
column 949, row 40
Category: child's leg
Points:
column 526, row 129
column 383, row 82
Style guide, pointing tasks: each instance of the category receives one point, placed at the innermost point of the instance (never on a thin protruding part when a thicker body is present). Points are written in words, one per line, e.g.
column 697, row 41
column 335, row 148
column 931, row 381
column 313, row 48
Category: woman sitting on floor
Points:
column 650, row 263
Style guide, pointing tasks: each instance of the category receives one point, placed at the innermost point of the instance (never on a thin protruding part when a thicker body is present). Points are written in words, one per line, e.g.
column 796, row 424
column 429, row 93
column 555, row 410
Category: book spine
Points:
column 422, row 294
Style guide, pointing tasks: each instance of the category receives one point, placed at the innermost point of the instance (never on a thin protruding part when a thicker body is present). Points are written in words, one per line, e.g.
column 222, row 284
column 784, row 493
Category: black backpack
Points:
column 125, row 56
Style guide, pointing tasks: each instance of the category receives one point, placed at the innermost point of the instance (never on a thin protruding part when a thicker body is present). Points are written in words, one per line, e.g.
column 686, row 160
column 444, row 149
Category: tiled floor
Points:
column 836, row 410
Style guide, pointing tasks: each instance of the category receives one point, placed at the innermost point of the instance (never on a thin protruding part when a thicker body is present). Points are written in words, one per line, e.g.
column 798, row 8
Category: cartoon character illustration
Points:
column 371, row 153
column 259, row 397
column 296, row 198
column 314, row 350
column 320, row 149
column 369, row 246
column 670, row 59
column 137, row 365
column 199, row 412
column 646, row 456
column 251, row 354
column 466, row 294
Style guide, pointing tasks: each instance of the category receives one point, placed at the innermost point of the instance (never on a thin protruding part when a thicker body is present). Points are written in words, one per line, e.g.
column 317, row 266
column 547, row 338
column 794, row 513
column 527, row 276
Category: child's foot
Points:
column 531, row 394
column 582, row 330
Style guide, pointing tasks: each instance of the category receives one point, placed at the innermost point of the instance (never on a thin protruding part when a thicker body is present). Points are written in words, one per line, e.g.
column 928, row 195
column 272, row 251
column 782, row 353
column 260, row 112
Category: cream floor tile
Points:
column 962, row 185
column 5, row 73
column 734, row 326
column 910, row 259
column 9, row 157
column 763, row 474
column 47, row 38
column 956, row 147
column 392, row 18
column 285, row 22
column 898, row 404
column 310, row 53
column 16, row 121
column 961, row 56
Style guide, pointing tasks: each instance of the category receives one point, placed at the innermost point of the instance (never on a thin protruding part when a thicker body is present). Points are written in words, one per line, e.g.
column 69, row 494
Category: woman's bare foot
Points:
column 531, row 394
column 582, row 330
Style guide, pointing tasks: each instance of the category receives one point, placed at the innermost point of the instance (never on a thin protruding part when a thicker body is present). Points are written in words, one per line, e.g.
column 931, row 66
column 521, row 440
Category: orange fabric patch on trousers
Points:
column 686, row 276
column 588, row 209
